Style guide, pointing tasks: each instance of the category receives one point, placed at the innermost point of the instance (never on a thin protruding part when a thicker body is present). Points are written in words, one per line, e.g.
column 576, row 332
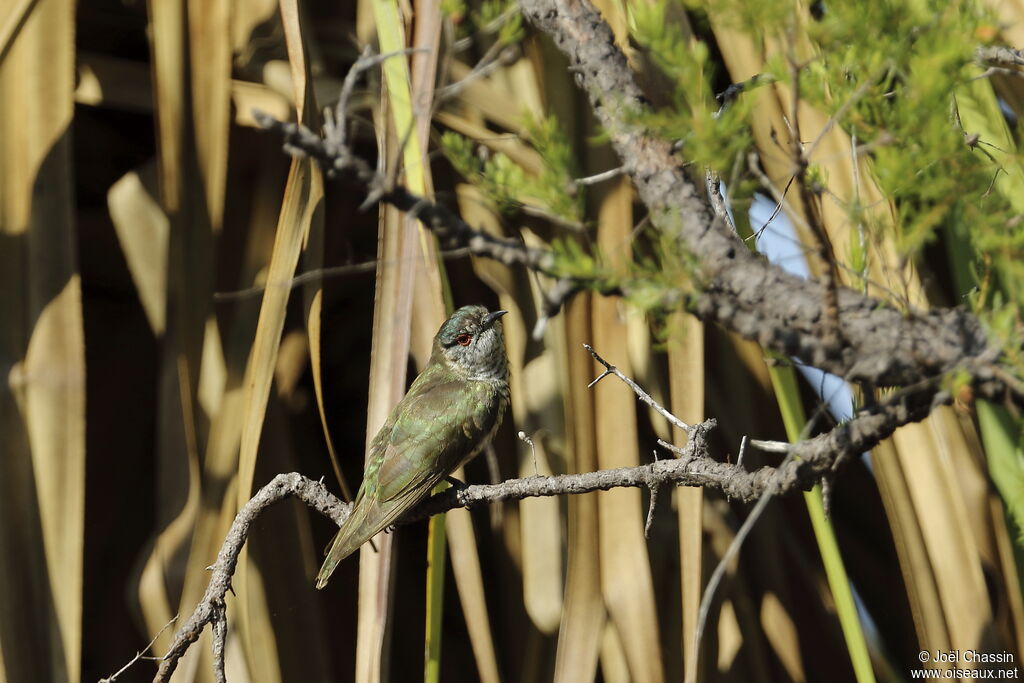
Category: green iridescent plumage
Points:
column 448, row 415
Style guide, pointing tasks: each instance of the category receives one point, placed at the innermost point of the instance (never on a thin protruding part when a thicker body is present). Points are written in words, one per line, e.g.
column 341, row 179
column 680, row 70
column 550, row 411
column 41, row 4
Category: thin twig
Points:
column 723, row 564
column 367, row 60
column 140, row 654
column 533, row 449
column 497, row 55
column 332, row 271
column 713, row 185
column 600, row 177
column 211, row 607
column 770, row 446
column 641, row 394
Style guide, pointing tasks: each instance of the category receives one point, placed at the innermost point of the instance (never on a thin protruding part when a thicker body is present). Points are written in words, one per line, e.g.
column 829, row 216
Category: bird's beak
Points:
column 491, row 317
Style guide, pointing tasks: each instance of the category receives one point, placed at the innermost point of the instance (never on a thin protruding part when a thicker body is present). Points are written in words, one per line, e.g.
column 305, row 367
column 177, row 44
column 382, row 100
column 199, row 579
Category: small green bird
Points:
column 449, row 414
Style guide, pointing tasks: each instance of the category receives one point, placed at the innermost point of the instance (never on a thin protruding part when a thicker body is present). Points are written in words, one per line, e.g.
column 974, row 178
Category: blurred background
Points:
column 164, row 358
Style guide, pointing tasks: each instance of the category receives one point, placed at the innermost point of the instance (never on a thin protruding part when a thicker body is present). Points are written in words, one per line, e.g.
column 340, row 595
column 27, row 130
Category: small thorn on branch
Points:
column 599, row 378
column 743, row 449
column 678, row 450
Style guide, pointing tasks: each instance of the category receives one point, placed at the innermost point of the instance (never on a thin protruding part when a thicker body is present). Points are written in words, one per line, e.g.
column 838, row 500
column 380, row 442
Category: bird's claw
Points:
column 456, row 483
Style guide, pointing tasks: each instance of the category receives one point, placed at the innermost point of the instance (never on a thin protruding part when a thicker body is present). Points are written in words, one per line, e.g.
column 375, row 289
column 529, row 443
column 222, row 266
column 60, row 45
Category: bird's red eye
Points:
column 464, row 339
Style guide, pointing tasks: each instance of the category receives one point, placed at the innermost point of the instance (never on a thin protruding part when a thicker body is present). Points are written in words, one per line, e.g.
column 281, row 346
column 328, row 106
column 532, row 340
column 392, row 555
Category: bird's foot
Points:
column 456, row 483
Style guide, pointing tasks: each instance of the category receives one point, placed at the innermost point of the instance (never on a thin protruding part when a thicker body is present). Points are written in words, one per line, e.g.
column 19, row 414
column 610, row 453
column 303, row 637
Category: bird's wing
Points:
column 430, row 432
column 437, row 427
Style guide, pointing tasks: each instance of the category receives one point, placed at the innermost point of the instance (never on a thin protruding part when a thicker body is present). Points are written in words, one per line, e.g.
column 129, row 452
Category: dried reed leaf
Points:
column 187, row 291
column 303, row 191
column 517, row 151
column 42, row 402
column 583, row 616
column 105, row 81
column 313, row 251
column 945, row 531
column 614, row 668
column 487, row 98
column 16, row 17
column 738, row 629
column 223, row 399
column 246, row 16
column 623, row 549
column 429, row 310
column 686, row 379
column 302, row 196
column 781, row 632
column 388, row 356
column 110, row 82
column 209, row 27
column 392, row 315
column 923, row 591
column 143, row 231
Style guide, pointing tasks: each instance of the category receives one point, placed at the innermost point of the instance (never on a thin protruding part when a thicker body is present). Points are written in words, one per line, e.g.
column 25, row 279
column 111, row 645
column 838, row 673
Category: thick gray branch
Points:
column 877, row 344
column 1004, row 56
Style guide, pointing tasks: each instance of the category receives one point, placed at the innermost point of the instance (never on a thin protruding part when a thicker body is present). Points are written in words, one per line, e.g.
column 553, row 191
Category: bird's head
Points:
column 471, row 342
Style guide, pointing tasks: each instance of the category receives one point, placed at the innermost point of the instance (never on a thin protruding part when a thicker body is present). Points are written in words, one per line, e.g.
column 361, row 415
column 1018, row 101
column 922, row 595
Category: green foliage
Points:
column 940, row 149
column 711, row 136
column 552, row 186
column 1003, row 436
column 509, row 187
column 512, row 31
column 492, row 17
column 573, row 262
column 491, row 12
column 897, row 91
column 453, row 8
column 748, row 17
column 858, row 254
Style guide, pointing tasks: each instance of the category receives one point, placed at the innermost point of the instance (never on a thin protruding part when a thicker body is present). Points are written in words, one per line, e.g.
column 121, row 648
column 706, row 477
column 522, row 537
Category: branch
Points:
column 694, row 467
column 211, row 609
column 805, row 463
column 1003, row 56
column 448, row 226
column 610, row 369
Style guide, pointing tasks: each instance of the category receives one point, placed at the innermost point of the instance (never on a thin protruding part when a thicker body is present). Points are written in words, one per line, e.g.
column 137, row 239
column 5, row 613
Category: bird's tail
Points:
column 362, row 525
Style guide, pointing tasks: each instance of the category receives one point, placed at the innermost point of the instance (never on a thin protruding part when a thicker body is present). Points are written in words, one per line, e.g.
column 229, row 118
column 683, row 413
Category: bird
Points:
column 449, row 414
